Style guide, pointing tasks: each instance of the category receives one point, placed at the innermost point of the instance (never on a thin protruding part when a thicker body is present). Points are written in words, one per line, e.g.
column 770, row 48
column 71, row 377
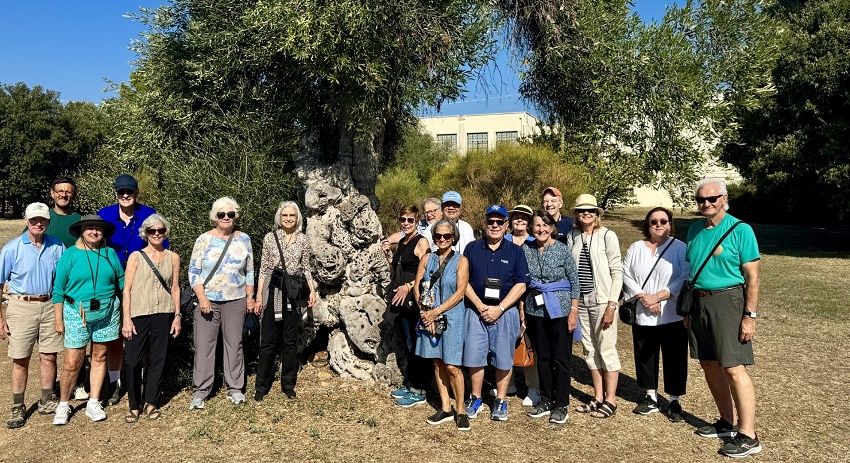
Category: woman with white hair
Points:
column 286, row 255
column 151, row 313
column 221, row 273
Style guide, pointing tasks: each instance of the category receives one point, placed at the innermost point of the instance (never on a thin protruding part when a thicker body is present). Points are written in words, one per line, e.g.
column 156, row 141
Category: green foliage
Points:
column 396, row 188
column 794, row 146
column 419, row 154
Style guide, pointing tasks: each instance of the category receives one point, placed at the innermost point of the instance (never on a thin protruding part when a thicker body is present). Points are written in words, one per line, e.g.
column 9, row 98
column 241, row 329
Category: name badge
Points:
column 492, row 289
column 538, row 300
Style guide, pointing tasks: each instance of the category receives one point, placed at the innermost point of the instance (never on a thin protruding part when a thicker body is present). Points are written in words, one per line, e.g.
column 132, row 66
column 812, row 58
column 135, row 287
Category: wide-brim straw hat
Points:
column 522, row 209
column 587, row 201
column 92, row 219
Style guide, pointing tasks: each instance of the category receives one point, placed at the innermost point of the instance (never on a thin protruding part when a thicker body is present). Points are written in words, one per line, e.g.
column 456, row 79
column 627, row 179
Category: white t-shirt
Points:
column 466, row 237
column 670, row 274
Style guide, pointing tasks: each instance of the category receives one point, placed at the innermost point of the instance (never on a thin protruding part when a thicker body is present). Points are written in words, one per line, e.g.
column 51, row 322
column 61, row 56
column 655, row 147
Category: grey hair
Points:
column 434, row 201
column 150, row 221
column 442, row 222
column 299, row 222
column 220, row 204
column 721, row 187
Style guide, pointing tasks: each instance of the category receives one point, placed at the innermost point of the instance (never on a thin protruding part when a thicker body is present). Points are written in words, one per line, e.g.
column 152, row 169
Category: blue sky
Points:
column 74, row 47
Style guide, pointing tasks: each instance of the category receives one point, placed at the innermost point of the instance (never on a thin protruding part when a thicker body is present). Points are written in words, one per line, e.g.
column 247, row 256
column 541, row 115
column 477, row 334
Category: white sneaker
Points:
column 94, row 410
column 511, row 391
column 80, row 393
column 63, row 412
column 197, row 403
column 237, row 398
column 532, row 399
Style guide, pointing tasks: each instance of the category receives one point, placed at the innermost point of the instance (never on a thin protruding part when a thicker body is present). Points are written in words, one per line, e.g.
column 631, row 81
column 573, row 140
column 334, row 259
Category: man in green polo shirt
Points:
column 63, row 190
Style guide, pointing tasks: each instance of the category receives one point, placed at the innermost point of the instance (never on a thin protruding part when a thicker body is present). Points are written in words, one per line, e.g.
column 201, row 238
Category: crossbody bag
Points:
column 188, row 298
column 628, row 310
column 687, row 300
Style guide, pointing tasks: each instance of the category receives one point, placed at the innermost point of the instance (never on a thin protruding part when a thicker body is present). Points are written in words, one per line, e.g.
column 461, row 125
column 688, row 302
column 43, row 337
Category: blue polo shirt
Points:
column 507, row 263
column 27, row 269
column 126, row 239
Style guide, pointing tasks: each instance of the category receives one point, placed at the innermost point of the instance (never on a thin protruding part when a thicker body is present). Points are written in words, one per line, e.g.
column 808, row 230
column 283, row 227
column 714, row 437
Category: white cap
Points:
column 37, row 210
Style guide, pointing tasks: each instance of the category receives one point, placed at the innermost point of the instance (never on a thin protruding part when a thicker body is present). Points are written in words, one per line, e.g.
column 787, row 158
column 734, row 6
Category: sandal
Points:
column 606, row 410
column 131, row 417
column 591, row 406
column 152, row 412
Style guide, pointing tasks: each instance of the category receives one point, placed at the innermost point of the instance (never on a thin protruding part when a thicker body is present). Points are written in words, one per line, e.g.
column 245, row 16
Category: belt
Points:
column 31, row 297
column 702, row 293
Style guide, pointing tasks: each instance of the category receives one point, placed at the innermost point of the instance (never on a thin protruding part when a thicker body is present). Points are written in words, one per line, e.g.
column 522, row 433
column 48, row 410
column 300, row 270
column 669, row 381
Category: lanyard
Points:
column 541, row 260
column 94, row 271
column 127, row 238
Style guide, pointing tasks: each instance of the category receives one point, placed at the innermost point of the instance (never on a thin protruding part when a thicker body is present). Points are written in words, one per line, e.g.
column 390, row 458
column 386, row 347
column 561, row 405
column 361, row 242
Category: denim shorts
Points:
column 104, row 330
column 495, row 342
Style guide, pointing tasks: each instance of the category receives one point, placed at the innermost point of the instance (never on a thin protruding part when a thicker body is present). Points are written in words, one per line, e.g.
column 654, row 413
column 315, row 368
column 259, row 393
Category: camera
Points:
column 440, row 324
column 94, row 305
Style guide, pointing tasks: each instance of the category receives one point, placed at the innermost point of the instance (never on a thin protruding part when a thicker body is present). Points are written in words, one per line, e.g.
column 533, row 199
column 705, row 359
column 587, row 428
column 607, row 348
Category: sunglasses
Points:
column 586, row 211
column 230, row 214
column 498, row 222
column 125, row 192
column 710, row 199
column 154, row 231
column 654, row 222
column 406, row 219
column 443, row 236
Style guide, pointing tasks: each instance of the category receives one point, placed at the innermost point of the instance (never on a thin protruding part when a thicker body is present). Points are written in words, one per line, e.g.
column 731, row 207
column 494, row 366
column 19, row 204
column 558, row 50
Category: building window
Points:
column 448, row 140
column 507, row 137
column 476, row 141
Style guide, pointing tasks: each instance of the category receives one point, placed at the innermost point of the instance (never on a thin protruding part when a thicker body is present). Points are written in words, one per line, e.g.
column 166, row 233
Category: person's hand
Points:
column 400, row 295
column 128, row 330
column 312, row 299
column 490, row 314
column 4, row 329
column 687, row 321
column 58, row 325
column 572, row 320
column 748, row 329
column 204, row 305
column 175, row 327
column 654, row 308
column 608, row 318
column 258, row 306
column 250, row 303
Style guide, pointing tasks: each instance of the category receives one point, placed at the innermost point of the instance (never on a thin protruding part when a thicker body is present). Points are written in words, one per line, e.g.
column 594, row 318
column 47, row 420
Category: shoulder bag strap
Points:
column 435, row 278
column 714, row 249
column 656, row 261
column 155, row 271
column 220, row 258
column 280, row 251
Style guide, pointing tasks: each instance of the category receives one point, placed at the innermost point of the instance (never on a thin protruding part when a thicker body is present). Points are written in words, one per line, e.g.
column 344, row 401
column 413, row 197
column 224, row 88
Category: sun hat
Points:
column 126, row 182
column 91, row 219
column 452, row 197
column 37, row 210
column 554, row 191
column 587, row 201
column 496, row 209
column 522, row 209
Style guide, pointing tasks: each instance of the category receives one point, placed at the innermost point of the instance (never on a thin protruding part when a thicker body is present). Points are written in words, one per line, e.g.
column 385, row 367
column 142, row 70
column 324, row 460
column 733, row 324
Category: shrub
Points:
column 396, row 188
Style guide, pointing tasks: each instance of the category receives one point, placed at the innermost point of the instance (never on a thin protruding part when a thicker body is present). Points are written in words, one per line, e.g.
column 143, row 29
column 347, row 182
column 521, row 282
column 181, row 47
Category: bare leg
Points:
column 744, row 394
column 70, row 367
column 98, row 368
column 456, row 379
column 20, row 371
column 718, row 384
column 47, row 370
column 598, row 391
column 442, row 384
column 503, row 380
column 610, row 379
column 476, row 378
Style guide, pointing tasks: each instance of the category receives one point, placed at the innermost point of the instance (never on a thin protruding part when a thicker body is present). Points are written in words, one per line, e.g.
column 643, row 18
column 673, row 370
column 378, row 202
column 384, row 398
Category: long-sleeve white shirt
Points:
column 670, row 274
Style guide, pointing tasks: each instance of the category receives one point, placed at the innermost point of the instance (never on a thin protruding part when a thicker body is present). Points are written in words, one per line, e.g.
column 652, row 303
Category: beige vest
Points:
column 147, row 296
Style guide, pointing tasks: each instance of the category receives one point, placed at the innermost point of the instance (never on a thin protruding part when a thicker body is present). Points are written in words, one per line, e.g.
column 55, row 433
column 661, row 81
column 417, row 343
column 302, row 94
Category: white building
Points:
column 479, row 131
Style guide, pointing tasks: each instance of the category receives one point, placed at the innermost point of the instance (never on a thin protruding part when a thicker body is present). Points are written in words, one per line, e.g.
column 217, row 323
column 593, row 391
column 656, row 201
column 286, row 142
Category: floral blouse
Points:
column 296, row 256
column 234, row 273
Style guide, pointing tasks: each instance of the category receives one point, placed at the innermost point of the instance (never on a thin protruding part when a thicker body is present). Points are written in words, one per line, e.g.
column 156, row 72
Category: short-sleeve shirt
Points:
column 82, row 275
column 60, row 225
column 28, row 269
column 564, row 226
column 232, row 276
column 725, row 268
column 126, row 239
column 507, row 263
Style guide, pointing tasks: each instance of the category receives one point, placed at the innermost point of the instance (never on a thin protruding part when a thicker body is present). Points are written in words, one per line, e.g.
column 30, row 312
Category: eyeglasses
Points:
column 125, row 192
column 431, row 212
column 406, row 219
column 229, row 214
column 654, row 222
column 443, row 236
column 498, row 222
column 586, row 211
column 154, row 231
column 710, row 199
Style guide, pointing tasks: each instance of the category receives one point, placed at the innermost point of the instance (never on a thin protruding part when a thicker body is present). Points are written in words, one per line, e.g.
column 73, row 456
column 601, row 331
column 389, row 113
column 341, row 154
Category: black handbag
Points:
column 294, row 287
column 628, row 310
column 188, row 298
column 687, row 300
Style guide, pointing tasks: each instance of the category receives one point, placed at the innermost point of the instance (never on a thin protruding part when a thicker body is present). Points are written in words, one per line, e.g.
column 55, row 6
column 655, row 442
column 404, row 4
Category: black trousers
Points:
column 671, row 340
column 273, row 334
column 552, row 345
column 151, row 338
column 420, row 372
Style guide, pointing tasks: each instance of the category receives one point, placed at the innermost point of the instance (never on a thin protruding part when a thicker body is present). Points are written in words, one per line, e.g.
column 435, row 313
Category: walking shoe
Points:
column 259, row 396
column 675, row 413
column 500, row 411
column 511, row 391
column 440, row 417
column 113, row 393
column 48, row 407
column 720, row 428
column 94, row 410
column 532, row 398
column 542, row 409
column 236, row 397
column 290, row 393
column 197, row 403
column 410, row 399
column 17, row 416
column 80, row 393
column 646, row 406
column 559, row 415
column 399, row 393
column 472, row 406
column 462, row 422
column 63, row 412
column 740, row 446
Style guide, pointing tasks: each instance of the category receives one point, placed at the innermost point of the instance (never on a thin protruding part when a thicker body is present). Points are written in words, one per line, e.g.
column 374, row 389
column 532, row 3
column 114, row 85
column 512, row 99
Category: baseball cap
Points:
column 552, row 190
column 452, row 196
column 37, row 210
column 496, row 209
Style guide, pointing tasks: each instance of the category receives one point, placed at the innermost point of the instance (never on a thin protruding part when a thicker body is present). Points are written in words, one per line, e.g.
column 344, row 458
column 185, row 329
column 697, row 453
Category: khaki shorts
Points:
column 31, row 322
column 600, row 346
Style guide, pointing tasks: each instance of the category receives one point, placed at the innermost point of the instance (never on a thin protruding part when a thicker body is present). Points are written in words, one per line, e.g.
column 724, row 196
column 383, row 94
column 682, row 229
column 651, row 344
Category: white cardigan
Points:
column 605, row 260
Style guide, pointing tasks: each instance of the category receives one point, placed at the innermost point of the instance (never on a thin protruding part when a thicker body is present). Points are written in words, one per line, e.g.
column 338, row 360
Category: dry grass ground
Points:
column 801, row 376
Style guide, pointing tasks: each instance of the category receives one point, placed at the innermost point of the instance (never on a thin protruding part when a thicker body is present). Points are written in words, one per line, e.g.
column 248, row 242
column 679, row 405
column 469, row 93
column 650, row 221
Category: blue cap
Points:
column 126, row 182
column 452, row 197
column 496, row 209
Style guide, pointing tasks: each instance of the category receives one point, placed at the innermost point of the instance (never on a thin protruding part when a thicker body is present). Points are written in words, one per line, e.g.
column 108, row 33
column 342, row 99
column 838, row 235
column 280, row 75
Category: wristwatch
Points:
column 750, row 314
column 178, row 315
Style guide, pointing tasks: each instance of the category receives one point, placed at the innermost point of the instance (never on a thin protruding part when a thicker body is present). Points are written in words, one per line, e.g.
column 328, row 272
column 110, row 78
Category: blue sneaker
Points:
column 399, row 393
column 473, row 406
column 410, row 399
column 500, row 411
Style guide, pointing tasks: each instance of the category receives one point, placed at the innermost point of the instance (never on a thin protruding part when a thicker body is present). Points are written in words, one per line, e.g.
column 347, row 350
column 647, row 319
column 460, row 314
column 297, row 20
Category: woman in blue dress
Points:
column 442, row 277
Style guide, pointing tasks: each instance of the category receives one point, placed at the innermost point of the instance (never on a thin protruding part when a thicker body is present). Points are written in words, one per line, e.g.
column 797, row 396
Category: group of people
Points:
column 109, row 281
column 464, row 303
